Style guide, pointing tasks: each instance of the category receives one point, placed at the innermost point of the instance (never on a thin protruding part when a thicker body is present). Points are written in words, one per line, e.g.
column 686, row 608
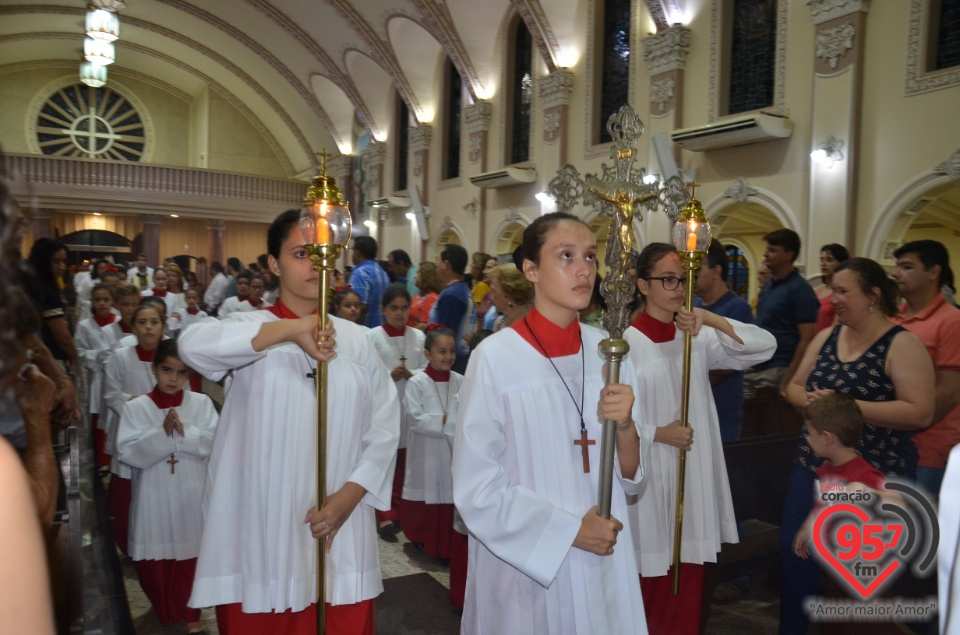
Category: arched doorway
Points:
column 743, row 226
column 87, row 244
column 447, row 236
column 509, row 238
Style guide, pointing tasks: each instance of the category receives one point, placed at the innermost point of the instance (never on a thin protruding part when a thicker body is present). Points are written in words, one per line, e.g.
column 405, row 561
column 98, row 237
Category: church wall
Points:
column 245, row 241
column 235, row 146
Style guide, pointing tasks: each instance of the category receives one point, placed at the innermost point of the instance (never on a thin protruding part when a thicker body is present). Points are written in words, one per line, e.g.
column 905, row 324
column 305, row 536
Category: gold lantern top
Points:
column 692, row 230
column 325, row 217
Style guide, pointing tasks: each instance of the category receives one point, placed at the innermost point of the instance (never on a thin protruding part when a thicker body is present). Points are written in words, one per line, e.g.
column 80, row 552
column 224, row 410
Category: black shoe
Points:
column 389, row 530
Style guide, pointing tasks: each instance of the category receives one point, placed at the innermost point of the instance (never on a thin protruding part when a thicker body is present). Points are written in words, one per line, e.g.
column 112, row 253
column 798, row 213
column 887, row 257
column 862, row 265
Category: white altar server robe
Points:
column 708, row 517
column 261, row 483
column 948, row 565
column 125, row 376
column 428, row 475
column 165, row 514
column 519, row 484
column 391, row 349
column 94, row 343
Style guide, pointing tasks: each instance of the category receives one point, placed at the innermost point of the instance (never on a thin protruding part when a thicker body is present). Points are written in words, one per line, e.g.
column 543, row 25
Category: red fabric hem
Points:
column 669, row 614
column 431, row 525
column 344, row 619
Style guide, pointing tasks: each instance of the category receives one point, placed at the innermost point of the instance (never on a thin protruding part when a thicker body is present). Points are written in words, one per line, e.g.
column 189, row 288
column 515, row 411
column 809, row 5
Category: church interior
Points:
column 445, row 122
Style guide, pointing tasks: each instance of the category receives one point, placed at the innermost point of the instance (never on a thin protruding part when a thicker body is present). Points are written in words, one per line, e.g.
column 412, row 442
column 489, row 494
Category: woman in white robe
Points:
column 257, row 555
column 656, row 348
column 541, row 559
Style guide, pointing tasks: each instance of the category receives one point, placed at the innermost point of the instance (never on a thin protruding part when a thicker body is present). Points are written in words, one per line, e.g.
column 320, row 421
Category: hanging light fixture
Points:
column 98, row 51
column 93, row 74
column 102, row 24
column 110, row 5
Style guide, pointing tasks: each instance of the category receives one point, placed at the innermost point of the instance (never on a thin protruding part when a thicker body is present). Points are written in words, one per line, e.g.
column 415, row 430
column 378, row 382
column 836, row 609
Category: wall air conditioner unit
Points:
column 733, row 132
column 390, row 201
column 504, row 178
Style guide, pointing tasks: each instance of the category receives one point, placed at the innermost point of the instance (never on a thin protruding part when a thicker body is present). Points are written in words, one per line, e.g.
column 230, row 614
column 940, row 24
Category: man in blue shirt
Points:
column 454, row 306
column 788, row 309
column 715, row 296
column 369, row 280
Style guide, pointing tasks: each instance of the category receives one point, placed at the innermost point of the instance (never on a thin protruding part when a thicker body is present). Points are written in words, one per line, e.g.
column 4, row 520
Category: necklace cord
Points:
column 583, row 372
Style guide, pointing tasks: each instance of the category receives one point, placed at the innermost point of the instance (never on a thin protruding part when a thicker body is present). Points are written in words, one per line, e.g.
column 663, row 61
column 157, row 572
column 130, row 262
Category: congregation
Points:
column 460, row 392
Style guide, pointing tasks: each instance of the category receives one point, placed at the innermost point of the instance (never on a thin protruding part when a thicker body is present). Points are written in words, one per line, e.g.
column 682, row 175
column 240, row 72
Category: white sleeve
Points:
column 758, row 346
column 198, row 434
column 214, row 348
column 141, row 440
column 378, row 453
column 422, row 419
column 113, row 394
column 513, row 522
column 87, row 348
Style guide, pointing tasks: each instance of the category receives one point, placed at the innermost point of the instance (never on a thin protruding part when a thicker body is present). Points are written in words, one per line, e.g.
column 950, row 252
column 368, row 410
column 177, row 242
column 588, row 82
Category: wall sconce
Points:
column 828, row 152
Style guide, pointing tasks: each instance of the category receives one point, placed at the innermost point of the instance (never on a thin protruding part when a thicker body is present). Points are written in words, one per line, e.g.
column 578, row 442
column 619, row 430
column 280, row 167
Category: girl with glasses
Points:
column 656, row 349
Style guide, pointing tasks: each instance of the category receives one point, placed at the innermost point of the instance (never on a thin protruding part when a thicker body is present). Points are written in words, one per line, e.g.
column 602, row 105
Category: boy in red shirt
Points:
column 834, row 424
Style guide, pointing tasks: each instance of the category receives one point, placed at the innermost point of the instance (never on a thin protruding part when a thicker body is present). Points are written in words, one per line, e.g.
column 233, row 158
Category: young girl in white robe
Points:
column 656, row 348
column 166, row 436
column 128, row 374
column 172, row 301
column 258, row 557
column 401, row 350
column 96, row 336
column 430, row 404
column 525, row 476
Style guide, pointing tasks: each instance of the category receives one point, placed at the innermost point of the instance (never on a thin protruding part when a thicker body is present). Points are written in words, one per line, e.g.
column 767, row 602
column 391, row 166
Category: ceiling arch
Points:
column 374, row 87
column 418, row 54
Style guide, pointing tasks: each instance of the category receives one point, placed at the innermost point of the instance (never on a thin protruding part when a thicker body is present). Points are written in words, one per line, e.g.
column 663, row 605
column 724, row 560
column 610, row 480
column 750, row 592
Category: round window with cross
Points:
column 83, row 121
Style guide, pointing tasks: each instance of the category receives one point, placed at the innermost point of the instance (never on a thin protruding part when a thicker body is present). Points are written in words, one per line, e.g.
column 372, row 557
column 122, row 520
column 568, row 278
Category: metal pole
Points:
column 613, row 352
column 691, row 263
column 324, row 259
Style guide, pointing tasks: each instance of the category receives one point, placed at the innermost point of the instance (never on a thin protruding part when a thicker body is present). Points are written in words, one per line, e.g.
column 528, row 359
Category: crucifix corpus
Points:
column 621, row 194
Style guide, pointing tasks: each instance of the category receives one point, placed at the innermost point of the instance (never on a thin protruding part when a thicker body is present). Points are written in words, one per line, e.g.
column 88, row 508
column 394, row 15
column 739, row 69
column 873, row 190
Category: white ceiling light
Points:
column 93, row 74
column 103, row 25
column 110, row 5
column 98, row 51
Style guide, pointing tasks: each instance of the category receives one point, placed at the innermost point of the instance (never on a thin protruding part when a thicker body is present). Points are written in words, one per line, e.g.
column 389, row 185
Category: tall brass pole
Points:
column 691, row 264
column 323, row 258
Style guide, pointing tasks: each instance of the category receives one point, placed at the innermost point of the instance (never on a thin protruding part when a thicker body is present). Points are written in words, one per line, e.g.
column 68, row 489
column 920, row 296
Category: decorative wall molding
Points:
column 825, row 10
column 716, row 60
column 552, row 123
column 661, row 92
column 740, row 190
column 477, row 116
column 513, row 216
column 475, row 147
column 950, row 167
column 375, row 153
column 556, row 88
column 667, row 51
column 439, row 22
column 918, row 80
column 124, row 187
column 541, row 33
column 420, row 137
column 833, row 43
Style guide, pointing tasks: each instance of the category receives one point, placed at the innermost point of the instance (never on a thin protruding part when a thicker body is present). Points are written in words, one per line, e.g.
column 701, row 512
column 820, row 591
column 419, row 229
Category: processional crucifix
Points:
column 621, row 194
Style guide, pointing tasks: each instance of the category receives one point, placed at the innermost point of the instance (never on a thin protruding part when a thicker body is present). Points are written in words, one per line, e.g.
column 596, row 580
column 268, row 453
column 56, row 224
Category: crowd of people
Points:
column 465, row 409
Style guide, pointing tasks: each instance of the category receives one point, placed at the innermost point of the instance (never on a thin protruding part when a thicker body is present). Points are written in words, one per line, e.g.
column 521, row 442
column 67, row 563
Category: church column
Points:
column 666, row 56
column 835, row 121
column 476, row 118
column 420, row 139
column 151, row 239
column 215, row 231
column 554, row 91
column 374, row 157
column 41, row 223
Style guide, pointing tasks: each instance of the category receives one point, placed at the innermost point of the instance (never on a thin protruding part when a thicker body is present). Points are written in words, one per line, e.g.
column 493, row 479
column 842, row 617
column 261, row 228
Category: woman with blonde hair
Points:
column 511, row 293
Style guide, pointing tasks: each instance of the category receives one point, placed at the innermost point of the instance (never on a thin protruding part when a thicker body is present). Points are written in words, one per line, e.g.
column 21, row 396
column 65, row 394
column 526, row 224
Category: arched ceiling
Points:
column 301, row 72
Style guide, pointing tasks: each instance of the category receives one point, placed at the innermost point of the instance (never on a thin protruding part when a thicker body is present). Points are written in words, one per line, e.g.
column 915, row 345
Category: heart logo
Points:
column 851, row 538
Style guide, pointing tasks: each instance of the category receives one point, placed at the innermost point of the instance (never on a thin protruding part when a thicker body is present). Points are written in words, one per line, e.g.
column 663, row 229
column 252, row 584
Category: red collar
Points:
column 282, row 311
column 104, row 321
column 437, row 375
column 163, row 400
column 558, row 342
column 658, row 332
column 159, row 294
column 393, row 332
column 124, row 327
column 243, row 298
column 192, row 311
column 145, row 356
